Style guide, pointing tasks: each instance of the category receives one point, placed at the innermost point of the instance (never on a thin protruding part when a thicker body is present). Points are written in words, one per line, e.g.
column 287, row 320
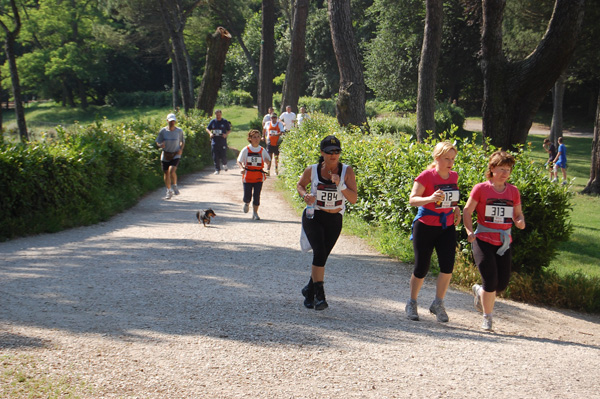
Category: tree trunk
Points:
column 558, row 95
column 82, row 94
column 295, row 66
column 593, row 185
column 174, row 23
column 267, row 57
column 430, row 55
column 513, row 91
column 350, row 105
column 218, row 44
column 175, row 84
column 9, row 46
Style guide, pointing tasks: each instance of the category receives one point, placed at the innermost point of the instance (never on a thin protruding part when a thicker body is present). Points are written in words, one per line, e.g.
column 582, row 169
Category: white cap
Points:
column 171, row 117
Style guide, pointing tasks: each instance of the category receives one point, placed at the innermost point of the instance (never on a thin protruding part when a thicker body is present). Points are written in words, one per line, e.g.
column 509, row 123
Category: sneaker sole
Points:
column 477, row 298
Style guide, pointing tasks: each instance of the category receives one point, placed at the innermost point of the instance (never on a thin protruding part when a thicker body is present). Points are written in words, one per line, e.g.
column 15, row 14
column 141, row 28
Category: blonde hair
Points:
column 499, row 158
column 252, row 133
column 440, row 149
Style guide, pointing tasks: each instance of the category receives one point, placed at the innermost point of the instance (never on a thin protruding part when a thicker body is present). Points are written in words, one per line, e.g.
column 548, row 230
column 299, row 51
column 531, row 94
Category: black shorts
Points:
column 273, row 149
column 172, row 162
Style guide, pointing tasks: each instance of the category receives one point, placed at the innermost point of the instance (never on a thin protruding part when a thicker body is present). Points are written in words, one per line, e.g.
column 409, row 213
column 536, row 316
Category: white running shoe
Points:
column 175, row 189
column 487, row 323
column 225, row 168
column 477, row 297
column 216, row 172
column 255, row 216
column 169, row 194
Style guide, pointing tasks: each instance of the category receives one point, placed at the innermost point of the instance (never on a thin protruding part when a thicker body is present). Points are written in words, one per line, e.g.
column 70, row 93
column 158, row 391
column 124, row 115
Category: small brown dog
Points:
column 204, row 216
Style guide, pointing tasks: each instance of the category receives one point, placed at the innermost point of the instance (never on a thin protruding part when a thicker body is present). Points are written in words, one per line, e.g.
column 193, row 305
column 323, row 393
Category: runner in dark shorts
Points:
column 172, row 162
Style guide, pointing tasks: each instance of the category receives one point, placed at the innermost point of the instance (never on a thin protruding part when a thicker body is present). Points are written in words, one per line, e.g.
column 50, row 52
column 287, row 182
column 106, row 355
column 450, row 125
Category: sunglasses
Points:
column 332, row 152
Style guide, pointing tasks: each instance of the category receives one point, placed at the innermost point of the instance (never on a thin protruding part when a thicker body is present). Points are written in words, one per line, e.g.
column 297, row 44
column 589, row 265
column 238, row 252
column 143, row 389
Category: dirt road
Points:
column 153, row 305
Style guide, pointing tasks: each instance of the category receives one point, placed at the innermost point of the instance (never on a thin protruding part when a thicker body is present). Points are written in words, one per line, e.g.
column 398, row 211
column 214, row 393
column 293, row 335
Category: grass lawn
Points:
column 581, row 252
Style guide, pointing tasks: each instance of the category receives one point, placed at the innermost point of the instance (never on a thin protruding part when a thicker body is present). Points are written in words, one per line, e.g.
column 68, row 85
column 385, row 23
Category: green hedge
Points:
column 88, row 176
column 235, row 97
column 386, row 166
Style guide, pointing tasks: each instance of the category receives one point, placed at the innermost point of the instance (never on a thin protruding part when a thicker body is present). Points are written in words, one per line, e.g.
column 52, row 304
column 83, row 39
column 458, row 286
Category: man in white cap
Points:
column 171, row 140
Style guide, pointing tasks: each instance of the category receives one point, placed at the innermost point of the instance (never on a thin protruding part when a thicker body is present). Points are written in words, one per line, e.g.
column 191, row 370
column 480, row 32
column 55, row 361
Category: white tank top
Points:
column 329, row 196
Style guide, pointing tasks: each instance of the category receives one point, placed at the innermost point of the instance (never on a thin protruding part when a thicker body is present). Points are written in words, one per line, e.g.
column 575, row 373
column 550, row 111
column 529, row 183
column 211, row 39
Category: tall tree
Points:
column 175, row 14
column 10, row 37
column 218, row 44
column 234, row 20
column 513, row 91
column 350, row 104
column 593, row 184
column 267, row 56
column 430, row 55
column 558, row 95
column 295, row 66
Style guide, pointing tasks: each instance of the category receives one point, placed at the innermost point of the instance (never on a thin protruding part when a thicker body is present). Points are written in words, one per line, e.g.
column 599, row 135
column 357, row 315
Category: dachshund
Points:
column 204, row 216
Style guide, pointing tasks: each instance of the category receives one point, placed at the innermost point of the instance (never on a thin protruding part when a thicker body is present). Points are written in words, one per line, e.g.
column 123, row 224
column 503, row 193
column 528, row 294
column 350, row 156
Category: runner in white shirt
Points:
column 288, row 118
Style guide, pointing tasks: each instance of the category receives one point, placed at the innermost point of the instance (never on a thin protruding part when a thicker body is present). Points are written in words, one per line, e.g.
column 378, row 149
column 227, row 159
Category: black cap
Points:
column 330, row 143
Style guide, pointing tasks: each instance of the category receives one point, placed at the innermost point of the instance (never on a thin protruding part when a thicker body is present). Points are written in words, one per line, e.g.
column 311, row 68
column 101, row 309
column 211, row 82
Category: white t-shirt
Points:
column 244, row 154
column 301, row 118
column 266, row 118
column 288, row 119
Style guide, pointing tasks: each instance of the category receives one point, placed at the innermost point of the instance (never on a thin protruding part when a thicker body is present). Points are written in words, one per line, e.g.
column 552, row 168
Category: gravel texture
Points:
column 151, row 304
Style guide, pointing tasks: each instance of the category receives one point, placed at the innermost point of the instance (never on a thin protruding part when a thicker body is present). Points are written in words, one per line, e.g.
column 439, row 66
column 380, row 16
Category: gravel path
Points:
column 153, row 305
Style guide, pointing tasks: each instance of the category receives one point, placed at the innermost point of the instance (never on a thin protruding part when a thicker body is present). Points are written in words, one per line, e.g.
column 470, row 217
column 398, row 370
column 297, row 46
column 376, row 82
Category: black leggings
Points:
column 322, row 232
column 425, row 239
column 248, row 187
column 494, row 269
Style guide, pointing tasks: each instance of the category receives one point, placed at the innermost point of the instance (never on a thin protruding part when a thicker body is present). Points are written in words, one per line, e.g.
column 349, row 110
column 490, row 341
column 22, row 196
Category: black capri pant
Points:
column 322, row 232
column 494, row 269
column 425, row 239
column 248, row 189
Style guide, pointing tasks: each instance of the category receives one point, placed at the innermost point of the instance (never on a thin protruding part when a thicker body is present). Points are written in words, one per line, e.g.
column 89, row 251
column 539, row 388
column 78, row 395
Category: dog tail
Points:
column 198, row 216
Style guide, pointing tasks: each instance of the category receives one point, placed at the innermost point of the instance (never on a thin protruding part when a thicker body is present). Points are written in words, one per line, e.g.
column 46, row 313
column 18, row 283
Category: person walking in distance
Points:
column 171, row 140
column 560, row 161
column 551, row 150
column 332, row 183
column 252, row 160
column 218, row 129
column 497, row 204
column 435, row 192
column 302, row 116
column 274, row 130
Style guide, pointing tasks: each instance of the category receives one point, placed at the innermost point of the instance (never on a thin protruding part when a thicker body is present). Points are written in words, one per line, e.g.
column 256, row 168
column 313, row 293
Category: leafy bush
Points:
column 140, row 99
column 388, row 106
column 386, row 166
column 323, row 105
column 86, row 177
column 235, row 97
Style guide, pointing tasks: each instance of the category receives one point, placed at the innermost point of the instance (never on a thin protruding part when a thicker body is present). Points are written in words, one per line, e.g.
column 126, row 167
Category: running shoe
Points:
column 438, row 309
column 411, row 310
column 255, row 216
column 477, row 297
column 216, row 172
column 175, row 189
column 169, row 194
column 487, row 323
column 246, row 207
column 225, row 168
